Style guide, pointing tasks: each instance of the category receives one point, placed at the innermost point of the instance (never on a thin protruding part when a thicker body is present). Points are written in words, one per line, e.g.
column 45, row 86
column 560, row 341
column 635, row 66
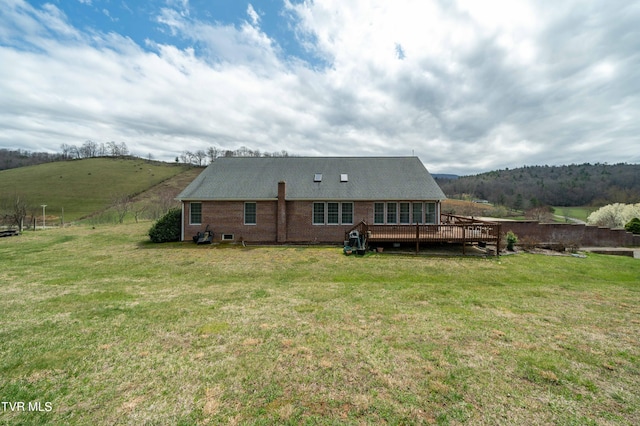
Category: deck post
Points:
column 464, row 241
column 417, row 238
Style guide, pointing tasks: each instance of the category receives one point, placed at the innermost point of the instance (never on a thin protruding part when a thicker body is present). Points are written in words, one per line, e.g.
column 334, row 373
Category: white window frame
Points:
column 191, row 204
column 377, row 212
column 314, row 211
column 427, row 213
column 407, row 219
column 342, row 213
column 255, row 213
column 335, row 214
column 325, row 213
column 389, row 219
column 419, row 220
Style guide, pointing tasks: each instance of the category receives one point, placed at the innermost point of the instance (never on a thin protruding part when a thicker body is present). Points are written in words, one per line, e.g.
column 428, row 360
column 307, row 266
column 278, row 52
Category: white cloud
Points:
column 253, row 15
column 467, row 88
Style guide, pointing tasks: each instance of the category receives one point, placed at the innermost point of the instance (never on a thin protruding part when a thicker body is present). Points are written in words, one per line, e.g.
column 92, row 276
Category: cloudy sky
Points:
column 466, row 85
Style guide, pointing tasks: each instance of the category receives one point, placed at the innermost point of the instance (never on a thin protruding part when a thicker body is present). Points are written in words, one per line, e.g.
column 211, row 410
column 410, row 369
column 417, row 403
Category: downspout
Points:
column 182, row 221
column 281, row 214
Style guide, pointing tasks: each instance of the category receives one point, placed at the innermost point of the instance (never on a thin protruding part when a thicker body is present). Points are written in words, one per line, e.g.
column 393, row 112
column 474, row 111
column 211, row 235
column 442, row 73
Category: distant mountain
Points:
column 444, row 176
column 573, row 185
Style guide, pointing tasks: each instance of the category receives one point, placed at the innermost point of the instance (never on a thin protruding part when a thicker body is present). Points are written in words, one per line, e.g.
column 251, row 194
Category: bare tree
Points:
column 187, row 157
column 123, row 149
column 543, row 214
column 89, row 149
column 199, row 157
column 213, row 153
column 138, row 210
column 166, row 200
column 113, row 148
column 123, row 204
column 74, row 152
column 66, row 150
column 16, row 210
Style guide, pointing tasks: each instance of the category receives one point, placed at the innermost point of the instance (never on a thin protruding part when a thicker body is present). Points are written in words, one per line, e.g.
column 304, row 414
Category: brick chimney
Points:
column 281, row 221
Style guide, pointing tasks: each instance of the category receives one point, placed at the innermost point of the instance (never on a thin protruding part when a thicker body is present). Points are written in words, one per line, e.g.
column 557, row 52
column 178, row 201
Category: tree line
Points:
column 533, row 186
column 11, row 159
column 203, row 157
column 91, row 149
column 14, row 158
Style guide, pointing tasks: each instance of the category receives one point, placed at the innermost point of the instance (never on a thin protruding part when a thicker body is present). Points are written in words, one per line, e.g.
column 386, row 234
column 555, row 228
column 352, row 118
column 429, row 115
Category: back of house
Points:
column 307, row 199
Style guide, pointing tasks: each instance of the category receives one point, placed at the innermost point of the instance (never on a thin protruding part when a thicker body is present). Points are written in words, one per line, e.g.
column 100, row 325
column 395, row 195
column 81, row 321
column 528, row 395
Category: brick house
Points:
column 307, row 199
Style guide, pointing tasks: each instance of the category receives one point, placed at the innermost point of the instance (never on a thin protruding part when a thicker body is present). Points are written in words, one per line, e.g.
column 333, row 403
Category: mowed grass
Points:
column 581, row 213
column 82, row 187
column 111, row 329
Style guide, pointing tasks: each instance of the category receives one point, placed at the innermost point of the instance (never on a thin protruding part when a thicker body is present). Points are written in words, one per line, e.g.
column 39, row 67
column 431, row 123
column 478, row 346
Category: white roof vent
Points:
column 344, row 177
column 317, row 177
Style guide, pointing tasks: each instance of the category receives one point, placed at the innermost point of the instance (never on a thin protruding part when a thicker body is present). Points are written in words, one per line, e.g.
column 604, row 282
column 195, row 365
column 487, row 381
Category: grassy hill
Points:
column 83, row 187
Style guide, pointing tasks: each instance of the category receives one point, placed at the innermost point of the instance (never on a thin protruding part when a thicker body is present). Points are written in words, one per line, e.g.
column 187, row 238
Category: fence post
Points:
column 417, row 238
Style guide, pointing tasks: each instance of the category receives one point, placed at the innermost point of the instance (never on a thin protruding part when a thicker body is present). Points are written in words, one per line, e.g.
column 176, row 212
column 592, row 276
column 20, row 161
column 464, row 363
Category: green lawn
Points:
column 110, row 329
column 580, row 213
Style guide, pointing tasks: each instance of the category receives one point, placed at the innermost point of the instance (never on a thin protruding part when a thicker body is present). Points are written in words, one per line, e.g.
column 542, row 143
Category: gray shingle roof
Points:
column 369, row 178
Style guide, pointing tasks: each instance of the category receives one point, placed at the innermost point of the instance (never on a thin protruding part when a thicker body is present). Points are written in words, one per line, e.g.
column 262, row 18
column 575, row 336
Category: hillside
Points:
column 574, row 185
column 82, row 187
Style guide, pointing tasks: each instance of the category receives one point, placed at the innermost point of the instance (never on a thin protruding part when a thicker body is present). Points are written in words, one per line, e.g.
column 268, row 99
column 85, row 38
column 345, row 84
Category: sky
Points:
column 467, row 86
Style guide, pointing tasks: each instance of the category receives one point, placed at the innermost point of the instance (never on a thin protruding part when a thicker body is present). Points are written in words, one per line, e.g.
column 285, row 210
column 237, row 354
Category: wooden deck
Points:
column 453, row 229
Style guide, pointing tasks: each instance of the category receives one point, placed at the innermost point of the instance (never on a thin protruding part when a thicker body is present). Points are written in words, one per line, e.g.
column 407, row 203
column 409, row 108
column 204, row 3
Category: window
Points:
column 335, row 213
column 404, row 213
column 195, row 216
column 392, row 213
column 318, row 213
column 430, row 210
column 227, row 237
column 344, row 177
column 332, row 213
column 317, row 177
column 347, row 213
column 378, row 213
column 249, row 213
column 417, row 213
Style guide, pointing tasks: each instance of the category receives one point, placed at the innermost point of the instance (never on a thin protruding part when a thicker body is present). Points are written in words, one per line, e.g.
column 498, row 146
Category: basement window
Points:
column 227, row 237
column 317, row 177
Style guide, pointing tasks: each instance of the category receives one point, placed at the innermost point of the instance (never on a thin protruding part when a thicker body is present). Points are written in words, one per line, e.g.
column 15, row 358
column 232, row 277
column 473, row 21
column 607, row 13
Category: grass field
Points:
column 107, row 328
column 82, row 187
column 580, row 213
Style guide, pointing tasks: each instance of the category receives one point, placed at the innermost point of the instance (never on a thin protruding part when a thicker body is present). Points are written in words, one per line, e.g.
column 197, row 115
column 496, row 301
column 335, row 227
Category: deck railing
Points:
column 455, row 229
column 432, row 233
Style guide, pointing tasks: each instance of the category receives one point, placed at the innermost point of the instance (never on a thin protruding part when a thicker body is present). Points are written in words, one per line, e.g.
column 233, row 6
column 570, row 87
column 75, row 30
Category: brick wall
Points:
column 227, row 217
column 572, row 234
column 300, row 226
